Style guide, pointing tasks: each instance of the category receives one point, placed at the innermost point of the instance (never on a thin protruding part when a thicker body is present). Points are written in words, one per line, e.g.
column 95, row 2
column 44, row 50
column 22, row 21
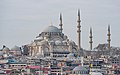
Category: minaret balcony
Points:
column 60, row 24
column 78, row 31
column 108, row 34
column 78, row 26
column 109, row 40
column 91, row 42
column 90, row 36
column 78, row 20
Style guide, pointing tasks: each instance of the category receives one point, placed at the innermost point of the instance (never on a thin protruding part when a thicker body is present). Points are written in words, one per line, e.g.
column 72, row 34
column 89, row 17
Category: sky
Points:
column 22, row 20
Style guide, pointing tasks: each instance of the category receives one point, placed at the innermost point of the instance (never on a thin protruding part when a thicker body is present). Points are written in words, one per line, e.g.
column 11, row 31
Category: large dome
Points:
column 51, row 29
column 80, row 68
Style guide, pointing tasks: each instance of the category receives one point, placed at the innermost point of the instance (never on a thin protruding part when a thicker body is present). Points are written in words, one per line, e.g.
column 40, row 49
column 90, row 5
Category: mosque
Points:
column 54, row 53
column 52, row 42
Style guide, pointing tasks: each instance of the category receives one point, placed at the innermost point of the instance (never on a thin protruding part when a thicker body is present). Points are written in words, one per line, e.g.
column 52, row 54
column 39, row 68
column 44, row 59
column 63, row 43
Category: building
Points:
column 52, row 42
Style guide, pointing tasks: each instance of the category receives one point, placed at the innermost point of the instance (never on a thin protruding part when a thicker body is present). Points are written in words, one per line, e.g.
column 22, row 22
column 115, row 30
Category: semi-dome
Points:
column 51, row 29
column 71, row 55
column 6, row 49
column 38, row 38
column 16, row 48
column 43, row 42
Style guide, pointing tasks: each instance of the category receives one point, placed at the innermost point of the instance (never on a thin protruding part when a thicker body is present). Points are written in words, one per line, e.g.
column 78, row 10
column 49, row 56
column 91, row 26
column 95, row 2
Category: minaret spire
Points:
column 91, row 41
column 109, row 34
column 61, row 22
column 79, row 31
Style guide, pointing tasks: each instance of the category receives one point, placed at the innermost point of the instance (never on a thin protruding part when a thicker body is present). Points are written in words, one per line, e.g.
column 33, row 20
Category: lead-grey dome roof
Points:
column 51, row 29
column 6, row 49
column 16, row 48
column 71, row 55
column 80, row 68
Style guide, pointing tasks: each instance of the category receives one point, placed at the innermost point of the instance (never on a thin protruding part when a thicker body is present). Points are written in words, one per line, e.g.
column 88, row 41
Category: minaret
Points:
column 51, row 24
column 61, row 23
column 109, row 37
column 79, row 31
column 90, row 39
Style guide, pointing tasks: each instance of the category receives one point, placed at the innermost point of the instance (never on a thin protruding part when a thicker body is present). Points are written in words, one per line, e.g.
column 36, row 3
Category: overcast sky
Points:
column 22, row 20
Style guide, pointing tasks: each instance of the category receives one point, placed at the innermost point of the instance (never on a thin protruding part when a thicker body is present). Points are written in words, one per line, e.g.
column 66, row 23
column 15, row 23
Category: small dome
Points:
column 71, row 55
column 72, row 42
column 39, row 43
column 38, row 38
column 80, row 68
column 51, row 29
column 96, row 73
column 43, row 42
column 10, row 55
column 16, row 48
column 58, row 42
column 51, row 42
column 6, row 49
column 5, row 55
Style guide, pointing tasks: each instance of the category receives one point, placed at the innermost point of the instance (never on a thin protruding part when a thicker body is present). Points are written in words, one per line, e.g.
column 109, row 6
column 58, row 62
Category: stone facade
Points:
column 52, row 42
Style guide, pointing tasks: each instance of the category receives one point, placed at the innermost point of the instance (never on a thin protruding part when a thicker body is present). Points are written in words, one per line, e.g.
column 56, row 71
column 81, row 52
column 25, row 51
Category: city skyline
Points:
column 21, row 21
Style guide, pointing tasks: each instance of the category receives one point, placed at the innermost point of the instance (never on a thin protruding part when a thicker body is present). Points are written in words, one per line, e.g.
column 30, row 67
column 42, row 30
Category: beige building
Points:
column 52, row 42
